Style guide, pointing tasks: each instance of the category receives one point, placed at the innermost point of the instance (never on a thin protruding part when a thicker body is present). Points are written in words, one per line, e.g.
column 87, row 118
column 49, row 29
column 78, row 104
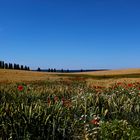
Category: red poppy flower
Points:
column 63, row 100
column 49, row 101
column 130, row 85
column 99, row 87
column 137, row 83
column 119, row 83
column 66, row 103
column 20, row 87
column 55, row 99
column 95, row 121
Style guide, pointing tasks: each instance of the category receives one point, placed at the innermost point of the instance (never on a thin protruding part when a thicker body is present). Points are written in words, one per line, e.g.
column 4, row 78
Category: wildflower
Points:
column 137, row 83
column 49, row 101
column 66, row 103
column 55, row 99
column 63, row 100
column 130, row 85
column 20, row 88
column 115, row 86
column 99, row 87
column 119, row 83
column 95, row 121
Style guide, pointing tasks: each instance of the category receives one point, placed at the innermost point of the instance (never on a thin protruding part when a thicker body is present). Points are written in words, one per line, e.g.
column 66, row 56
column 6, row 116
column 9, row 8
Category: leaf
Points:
column 137, row 108
column 106, row 111
column 47, row 119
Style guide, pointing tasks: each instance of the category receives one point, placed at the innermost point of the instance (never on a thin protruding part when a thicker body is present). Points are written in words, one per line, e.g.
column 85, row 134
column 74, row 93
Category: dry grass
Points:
column 28, row 76
column 113, row 72
column 18, row 76
column 108, row 82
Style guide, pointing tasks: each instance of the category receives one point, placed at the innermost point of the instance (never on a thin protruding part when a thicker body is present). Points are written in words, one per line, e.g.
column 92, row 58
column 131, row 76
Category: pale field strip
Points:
column 19, row 76
column 113, row 72
column 109, row 82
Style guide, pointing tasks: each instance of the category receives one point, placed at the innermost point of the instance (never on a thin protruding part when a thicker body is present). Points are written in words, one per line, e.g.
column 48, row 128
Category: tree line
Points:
column 53, row 70
column 14, row 66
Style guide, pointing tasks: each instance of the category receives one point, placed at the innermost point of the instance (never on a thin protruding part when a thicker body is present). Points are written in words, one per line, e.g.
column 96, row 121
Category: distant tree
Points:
column 54, row 70
column 38, row 69
column 18, row 67
column 25, row 68
column 6, row 66
column 68, row 70
column 28, row 68
column 15, row 66
column 3, row 64
column 62, row 70
column 10, row 66
column 49, row 70
column 0, row 64
column 81, row 70
column 22, row 68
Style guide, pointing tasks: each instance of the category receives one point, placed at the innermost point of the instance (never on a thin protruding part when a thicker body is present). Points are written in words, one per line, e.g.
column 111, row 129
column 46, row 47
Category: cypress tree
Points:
column 28, row 68
column 15, row 66
column 22, row 67
column 9, row 66
column 54, row 70
column 62, row 70
column 38, row 69
column 6, row 66
column 49, row 70
column 0, row 64
column 25, row 68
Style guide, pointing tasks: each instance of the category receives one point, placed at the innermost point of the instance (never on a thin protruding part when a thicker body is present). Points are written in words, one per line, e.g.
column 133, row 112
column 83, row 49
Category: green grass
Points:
column 69, row 110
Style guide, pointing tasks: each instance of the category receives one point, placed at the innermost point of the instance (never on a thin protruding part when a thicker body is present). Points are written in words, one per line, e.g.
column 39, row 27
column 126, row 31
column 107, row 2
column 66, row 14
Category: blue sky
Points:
column 74, row 34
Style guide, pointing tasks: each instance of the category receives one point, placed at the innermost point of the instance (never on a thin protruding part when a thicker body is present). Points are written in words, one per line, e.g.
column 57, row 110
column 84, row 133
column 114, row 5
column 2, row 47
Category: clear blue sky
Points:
column 74, row 34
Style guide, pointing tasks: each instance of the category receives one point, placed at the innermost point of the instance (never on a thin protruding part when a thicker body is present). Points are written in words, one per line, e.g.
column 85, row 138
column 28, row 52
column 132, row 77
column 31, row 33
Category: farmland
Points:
column 45, row 106
column 100, row 78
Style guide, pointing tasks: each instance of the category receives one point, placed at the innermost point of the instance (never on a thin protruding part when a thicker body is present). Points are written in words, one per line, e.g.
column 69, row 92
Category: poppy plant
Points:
column 63, row 100
column 66, row 103
column 20, row 88
column 56, row 99
column 119, row 83
column 95, row 121
column 49, row 101
column 130, row 85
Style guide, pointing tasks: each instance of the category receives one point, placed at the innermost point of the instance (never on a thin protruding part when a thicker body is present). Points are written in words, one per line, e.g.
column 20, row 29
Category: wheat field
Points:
column 7, row 76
